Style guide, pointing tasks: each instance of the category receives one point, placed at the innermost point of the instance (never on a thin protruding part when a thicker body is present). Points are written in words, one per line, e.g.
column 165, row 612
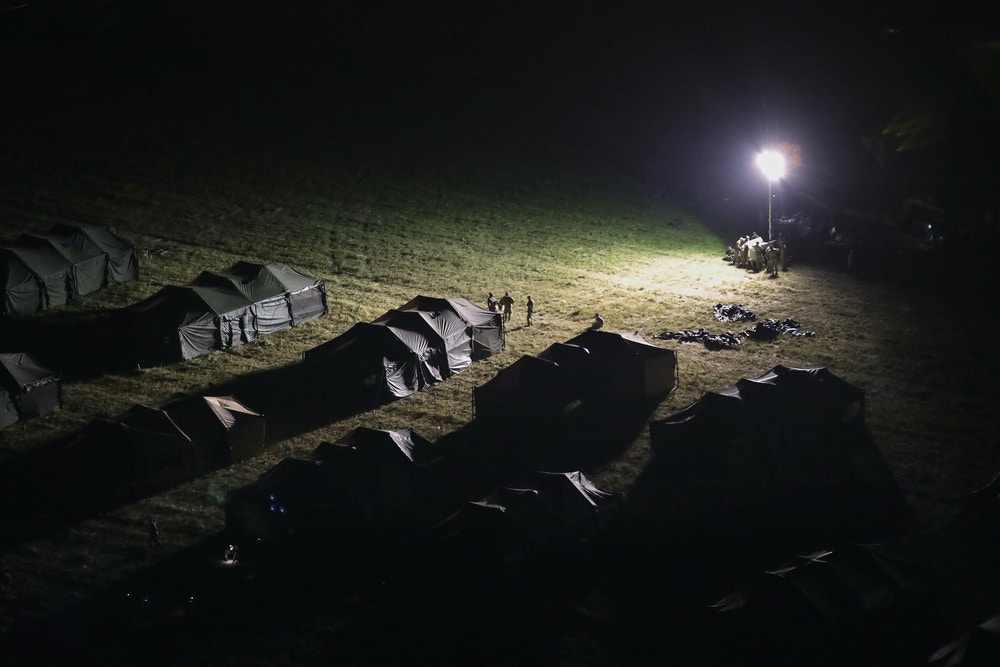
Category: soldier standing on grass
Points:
column 507, row 303
column 491, row 303
column 531, row 309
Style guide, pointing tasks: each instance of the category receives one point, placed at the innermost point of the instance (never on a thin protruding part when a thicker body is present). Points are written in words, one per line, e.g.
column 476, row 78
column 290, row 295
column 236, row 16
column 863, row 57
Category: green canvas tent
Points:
column 27, row 387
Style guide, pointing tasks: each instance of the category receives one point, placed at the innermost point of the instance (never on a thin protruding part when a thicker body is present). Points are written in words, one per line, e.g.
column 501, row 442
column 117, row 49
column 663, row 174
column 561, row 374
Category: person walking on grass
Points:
column 491, row 303
column 507, row 304
column 531, row 309
column 154, row 533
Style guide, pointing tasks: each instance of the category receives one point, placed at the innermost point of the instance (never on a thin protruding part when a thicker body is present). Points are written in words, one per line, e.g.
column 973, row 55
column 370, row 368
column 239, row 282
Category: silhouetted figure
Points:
column 531, row 310
column 491, row 303
column 154, row 534
column 598, row 322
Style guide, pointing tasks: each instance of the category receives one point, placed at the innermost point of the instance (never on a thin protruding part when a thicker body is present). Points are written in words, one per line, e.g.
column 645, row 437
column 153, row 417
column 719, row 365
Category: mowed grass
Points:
column 381, row 231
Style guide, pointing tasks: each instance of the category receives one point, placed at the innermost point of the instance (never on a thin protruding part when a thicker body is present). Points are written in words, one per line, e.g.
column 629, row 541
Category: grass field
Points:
column 383, row 217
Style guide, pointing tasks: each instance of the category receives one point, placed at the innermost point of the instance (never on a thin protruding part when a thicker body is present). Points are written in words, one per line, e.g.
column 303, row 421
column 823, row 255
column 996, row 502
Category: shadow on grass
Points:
column 47, row 488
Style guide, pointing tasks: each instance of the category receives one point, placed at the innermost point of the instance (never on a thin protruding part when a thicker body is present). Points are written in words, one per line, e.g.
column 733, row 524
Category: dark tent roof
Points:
column 851, row 605
column 33, row 389
column 977, row 647
column 530, row 387
column 379, row 471
column 625, row 367
column 122, row 264
column 403, row 445
column 535, row 512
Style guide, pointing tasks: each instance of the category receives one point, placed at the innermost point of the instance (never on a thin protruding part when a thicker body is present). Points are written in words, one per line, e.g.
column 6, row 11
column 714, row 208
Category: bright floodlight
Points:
column 772, row 164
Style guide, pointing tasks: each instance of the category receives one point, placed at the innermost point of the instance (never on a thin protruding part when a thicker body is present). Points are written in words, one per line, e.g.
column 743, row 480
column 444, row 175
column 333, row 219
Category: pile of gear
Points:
column 755, row 254
column 765, row 330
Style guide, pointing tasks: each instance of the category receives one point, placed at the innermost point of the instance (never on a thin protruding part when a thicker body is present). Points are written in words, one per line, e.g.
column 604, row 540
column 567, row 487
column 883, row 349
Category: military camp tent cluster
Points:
column 599, row 367
column 378, row 482
column 26, row 389
column 222, row 310
column 369, row 479
column 149, row 449
column 853, row 605
column 782, row 458
column 538, row 513
column 42, row 271
column 409, row 348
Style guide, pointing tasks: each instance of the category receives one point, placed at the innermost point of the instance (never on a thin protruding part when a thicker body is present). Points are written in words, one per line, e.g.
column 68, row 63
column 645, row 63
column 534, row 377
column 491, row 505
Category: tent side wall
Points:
column 123, row 264
column 22, row 292
column 307, row 304
column 39, row 400
column 8, row 411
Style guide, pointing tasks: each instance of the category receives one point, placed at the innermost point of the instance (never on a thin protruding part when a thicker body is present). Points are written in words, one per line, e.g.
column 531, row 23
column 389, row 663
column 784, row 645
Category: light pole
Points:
column 772, row 163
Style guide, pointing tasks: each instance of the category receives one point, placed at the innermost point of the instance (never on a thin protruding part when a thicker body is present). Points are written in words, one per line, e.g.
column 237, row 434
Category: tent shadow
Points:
column 78, row 346
column 40, row 491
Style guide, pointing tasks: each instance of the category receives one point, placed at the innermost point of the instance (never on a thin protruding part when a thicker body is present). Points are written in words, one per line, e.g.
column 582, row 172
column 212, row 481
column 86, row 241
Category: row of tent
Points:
column 793, row 439
column 221, row 310
column 43, row 271
column 391, row 480
column 598, row 366
column 149, row 449
column 407, row 349
column 27, row 389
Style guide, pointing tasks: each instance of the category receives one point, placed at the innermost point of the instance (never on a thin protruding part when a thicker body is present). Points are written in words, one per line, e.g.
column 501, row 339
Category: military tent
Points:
column 42, row 271
column 291, row 499
column 381, row 362
column 529, row 390
column 856, row 604
column 623, row 368
column 368, row 480
column 786, row 451
column 8, row 411
column 281, row 296
column 184, row 322
column 537, row 512
column 27, row 387
column 223, row 430
column 142, row 452
column 87, row 263
column 122, row 265
column 34, row 278
column 976, row 647
column 379, row 472
column 483, row 327
column 223, row 310
column 449, row 334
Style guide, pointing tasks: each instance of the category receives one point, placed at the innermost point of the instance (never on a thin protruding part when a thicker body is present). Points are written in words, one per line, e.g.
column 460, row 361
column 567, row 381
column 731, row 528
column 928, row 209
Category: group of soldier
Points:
column 754, row 253
column 505, row 306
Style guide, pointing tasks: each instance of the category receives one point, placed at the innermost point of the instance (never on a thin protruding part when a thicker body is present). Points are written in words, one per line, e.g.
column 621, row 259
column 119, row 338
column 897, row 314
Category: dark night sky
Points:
column 676, row 92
